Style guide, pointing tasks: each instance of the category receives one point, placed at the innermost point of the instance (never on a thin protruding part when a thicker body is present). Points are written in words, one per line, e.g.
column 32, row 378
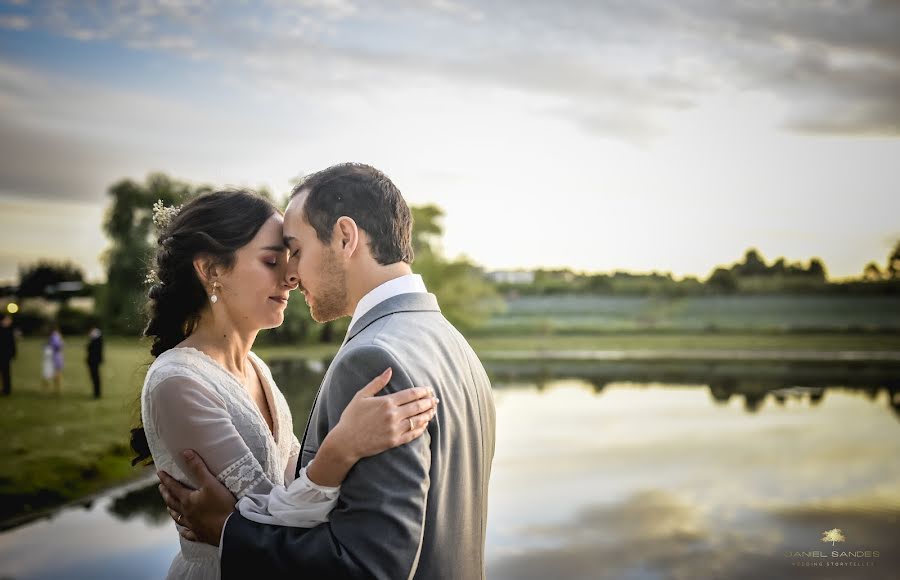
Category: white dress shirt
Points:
column 403, row 285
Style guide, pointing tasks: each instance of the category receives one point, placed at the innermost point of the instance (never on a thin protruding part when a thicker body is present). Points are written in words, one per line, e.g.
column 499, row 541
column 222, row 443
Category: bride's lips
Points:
column 279, row 299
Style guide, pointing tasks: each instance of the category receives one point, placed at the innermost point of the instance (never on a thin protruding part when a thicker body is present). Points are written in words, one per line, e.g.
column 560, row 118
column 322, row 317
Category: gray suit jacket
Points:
column 415, row 511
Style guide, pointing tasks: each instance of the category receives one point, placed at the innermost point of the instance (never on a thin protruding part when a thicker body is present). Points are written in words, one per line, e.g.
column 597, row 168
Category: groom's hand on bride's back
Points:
column 201, row 511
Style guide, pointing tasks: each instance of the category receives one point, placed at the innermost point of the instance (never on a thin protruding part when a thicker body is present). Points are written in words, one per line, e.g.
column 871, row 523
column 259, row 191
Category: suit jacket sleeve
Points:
column 377, row 527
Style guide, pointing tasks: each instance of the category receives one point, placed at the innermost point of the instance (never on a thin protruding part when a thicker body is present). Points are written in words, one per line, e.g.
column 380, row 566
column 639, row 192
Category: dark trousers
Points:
column 95, row 378
column 6, row 377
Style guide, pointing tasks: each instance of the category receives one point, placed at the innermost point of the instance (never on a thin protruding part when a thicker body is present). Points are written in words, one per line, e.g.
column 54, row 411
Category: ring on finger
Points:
column 412, row 426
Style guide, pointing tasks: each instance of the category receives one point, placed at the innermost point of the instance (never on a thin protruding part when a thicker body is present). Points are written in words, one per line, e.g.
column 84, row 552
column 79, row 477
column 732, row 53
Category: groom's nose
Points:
column 291, row 278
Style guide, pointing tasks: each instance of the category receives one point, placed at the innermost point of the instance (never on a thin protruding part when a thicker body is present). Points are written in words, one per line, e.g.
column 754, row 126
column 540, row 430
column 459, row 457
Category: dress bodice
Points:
column 190, row 401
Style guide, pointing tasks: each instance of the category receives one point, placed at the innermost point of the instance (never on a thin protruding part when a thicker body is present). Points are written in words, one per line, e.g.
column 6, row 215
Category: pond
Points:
column 635, row 470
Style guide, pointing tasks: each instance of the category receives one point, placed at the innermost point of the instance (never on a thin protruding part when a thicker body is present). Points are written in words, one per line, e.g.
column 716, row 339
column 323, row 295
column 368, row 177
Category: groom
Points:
column 415, row 511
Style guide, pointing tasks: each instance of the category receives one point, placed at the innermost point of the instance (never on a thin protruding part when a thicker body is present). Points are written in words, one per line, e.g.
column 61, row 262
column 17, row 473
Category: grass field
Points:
column 764, row 313
column 60, row 448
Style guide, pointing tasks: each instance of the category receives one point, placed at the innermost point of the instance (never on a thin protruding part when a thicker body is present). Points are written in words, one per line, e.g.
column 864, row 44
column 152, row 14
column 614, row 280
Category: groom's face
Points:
column 321, row 275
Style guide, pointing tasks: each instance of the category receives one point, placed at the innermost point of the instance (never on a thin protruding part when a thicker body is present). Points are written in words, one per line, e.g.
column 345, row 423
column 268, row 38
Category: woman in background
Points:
column 54, row 360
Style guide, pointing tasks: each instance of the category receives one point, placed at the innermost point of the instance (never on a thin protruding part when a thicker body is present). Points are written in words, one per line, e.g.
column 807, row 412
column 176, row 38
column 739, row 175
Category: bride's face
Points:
column 254, row 292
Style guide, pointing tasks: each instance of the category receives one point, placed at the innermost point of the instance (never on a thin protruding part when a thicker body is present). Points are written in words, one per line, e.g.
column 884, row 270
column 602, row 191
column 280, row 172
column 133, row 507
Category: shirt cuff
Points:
column 324, row 489
column 222, row 537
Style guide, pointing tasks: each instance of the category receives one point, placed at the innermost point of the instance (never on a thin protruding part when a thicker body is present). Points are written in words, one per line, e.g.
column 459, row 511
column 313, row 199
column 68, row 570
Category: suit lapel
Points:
column 410, row 302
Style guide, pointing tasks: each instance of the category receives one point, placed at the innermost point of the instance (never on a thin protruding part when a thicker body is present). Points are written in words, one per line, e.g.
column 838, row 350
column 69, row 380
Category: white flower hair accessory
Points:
column 162, row 215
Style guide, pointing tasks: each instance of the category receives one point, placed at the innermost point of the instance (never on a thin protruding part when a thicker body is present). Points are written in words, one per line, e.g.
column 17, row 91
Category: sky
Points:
column 598, row 135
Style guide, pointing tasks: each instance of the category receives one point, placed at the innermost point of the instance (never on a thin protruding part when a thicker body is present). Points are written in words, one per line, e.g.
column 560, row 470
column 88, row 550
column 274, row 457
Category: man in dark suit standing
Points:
column 7, row 352
column 95, row 358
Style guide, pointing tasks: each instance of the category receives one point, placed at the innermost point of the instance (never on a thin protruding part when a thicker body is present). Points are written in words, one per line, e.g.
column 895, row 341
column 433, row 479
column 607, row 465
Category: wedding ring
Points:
column 178, row 519
column 412, row 426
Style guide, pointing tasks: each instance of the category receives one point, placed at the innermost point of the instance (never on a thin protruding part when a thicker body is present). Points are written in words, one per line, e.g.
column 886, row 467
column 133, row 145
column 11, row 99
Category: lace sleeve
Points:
column 188, row 415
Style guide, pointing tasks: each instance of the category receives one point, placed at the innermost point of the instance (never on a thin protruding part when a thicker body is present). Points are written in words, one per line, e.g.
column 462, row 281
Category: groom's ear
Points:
column 347, row 233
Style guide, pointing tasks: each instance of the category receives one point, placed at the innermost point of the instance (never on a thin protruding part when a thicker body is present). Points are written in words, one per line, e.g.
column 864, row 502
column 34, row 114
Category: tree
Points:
column 872, row 273
column 44, row 277
column 722, row 280
column 753, row 264
column 834, row 535
column 817, row 269
column 779, row 267
column 466, row 297
column 893, row 264
column 129, row 226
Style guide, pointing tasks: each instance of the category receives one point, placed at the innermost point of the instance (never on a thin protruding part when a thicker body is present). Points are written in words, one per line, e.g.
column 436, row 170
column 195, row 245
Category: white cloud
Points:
column 642, row 122
column 14, row 22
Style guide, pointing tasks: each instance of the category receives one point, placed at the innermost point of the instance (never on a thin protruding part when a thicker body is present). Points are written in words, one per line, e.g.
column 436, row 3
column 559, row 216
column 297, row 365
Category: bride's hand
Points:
column 371, row 424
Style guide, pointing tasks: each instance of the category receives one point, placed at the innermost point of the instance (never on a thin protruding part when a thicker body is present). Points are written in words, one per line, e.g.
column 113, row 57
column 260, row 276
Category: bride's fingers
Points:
column 376, row 384
column 188, row 534
column 421, row 423
column 417, row 407
column 408, row 395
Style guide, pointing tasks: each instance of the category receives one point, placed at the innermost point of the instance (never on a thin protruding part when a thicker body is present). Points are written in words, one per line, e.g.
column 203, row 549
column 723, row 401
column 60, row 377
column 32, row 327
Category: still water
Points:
column 614, row 470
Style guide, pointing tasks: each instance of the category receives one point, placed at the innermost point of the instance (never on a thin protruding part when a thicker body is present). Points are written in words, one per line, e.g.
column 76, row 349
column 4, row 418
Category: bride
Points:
column 220, row 278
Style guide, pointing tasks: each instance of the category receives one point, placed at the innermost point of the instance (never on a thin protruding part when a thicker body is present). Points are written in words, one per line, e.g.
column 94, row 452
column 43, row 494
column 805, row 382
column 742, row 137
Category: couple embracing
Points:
column 391, row 477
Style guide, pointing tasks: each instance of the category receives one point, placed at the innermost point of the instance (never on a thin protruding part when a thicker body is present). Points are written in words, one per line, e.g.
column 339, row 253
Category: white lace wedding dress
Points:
column 189, row 401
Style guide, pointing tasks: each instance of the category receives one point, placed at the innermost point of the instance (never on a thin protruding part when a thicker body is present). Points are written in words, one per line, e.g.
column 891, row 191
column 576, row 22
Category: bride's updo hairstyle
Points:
column 215, row 225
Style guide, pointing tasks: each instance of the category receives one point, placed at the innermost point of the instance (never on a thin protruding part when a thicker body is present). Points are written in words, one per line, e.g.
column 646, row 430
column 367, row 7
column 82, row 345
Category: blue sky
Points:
column 616, row 134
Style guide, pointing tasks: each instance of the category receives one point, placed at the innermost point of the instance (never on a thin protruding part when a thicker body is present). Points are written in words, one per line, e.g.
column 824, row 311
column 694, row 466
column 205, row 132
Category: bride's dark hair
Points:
column 215, row 225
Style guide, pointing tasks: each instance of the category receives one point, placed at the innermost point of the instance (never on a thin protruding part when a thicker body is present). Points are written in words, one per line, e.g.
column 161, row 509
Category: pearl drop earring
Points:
column 212, row 297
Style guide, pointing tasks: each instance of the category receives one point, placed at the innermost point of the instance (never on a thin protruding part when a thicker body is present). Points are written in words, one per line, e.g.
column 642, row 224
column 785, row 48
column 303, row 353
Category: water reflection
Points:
column 610, row 470
column 142, row 502
column 84, row 541
column 658, row 481
column 751, row 381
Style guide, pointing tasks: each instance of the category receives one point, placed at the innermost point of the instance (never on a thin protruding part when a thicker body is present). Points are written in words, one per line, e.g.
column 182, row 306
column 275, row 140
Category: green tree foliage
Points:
column 753, row 264
column 129, row 225
column 722, row 280
column 466, row 297
column 753, row 276
column 816, row 270
column 893, row 264
column 42, row 279
column 872, row 273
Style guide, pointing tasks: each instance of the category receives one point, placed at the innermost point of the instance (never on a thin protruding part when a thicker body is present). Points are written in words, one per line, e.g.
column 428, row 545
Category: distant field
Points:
column 588, row 314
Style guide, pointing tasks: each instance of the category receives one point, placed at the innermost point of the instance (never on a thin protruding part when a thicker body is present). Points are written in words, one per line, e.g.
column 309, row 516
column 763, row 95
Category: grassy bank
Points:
column 59, row 448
